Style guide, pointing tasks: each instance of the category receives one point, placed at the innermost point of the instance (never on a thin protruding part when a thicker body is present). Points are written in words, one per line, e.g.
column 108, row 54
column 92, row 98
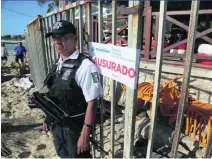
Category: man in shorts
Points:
column 20, row 53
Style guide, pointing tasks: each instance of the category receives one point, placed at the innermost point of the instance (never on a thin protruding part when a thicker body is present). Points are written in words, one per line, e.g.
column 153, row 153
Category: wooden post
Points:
column 49, row 40
column 148, row 20
column 160, row 40
column 100, row 38
column 53, row 48
column 186, row 74
column 113, row 82
column 72, row 16
column 134, row 41
column 80, row 30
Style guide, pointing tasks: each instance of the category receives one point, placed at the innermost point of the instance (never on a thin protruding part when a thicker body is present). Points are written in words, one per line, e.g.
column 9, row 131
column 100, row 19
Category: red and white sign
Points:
column 119, row 63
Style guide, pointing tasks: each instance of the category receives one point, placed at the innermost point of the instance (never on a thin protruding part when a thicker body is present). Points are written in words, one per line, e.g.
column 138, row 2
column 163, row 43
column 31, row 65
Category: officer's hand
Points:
column 83, row 142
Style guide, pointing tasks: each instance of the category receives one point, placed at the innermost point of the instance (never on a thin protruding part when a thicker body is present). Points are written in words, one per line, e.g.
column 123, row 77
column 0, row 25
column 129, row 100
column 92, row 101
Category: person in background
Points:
column 4, row 54
column 20, row 53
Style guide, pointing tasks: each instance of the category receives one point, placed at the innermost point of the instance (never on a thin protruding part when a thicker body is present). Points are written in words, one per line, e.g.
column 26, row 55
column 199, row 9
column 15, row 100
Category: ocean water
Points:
column 11, row 47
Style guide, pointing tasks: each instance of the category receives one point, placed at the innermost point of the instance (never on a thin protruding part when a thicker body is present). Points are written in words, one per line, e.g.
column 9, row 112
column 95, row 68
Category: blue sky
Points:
column 14, row 23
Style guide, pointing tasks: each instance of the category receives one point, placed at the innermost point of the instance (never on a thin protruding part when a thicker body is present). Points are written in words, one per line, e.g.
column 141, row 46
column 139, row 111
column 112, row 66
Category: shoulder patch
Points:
column 95, row 77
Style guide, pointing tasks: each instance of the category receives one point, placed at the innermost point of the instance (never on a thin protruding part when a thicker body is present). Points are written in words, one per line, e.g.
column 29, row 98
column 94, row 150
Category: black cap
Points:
column 62, row 27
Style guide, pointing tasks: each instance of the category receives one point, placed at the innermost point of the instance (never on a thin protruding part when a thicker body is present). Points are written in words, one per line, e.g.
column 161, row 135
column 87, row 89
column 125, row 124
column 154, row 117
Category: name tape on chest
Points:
column 68, row 65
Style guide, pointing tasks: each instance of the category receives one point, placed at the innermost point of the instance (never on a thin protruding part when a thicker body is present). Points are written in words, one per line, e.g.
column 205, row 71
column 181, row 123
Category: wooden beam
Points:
column 186, row 75
column 159, row 61
column 184, row 41
column 134, row 41
column 186, row 28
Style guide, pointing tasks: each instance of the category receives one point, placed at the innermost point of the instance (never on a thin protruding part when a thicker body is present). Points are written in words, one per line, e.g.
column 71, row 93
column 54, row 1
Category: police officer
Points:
column 76, row 86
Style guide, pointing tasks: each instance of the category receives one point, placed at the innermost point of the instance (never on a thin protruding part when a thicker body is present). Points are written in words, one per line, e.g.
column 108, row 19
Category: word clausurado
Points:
column 113, row 66
column 119, row 63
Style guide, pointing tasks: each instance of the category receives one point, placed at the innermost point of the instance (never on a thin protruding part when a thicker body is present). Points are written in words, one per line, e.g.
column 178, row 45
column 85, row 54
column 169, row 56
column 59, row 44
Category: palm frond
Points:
column 56, row 3
column 50, row 7
column 41, row 2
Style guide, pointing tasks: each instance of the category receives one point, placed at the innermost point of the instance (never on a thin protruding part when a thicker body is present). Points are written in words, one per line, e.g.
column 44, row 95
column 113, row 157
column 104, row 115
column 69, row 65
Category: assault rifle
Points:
column 57, row 114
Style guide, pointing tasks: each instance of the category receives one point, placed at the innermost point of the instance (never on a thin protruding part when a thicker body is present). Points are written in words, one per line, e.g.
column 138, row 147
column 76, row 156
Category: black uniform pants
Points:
column 65, row 142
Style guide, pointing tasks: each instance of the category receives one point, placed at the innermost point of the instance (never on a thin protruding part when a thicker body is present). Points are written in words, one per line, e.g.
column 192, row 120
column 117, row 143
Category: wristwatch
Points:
column 90, row 126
